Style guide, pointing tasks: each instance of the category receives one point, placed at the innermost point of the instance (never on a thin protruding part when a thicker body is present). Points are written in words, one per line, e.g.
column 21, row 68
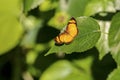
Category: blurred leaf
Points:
column 115, row 75
column 109, row 6
column 76, row 7
column 84, row 63
column 102, row 44
column 59, row 20
column 96, row 6
column 13, row 4
column 31, row 57
column 31, row 4
column 10, row 7
column 114, row 38
column 27, row 76
column 32, row 26
column 10, row 32
column 11, row 29
column 48, row 5
column 117, row 4
column 33, row 71
column 58, row 70
column 93, row 7
column 27, row 5
column 64, row 70
column 87, row 37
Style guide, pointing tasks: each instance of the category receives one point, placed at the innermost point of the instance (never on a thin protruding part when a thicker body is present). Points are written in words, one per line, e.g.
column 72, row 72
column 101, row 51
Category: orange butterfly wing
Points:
column 66, row 38
column 68, row 35
column 72, row 27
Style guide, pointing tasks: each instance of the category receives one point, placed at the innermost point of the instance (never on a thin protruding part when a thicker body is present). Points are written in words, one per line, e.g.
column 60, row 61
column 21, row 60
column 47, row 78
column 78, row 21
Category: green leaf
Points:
column 48, row 5
column 102, row 44
column 57, row 70
column 87, row 37
column 10, row 32
column 32, row 26
column 59, row 20
column 10, row 27
column 65, row 70
column 76, row 7
column 117, row 4
column 115, row 75
column 114, row 38
column 96, row 6
column 31, row 4
column 10, row 7
column 84, row 63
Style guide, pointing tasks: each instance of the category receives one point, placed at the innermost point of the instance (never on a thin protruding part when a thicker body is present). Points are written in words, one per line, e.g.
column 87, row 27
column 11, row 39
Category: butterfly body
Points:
column 68, row 35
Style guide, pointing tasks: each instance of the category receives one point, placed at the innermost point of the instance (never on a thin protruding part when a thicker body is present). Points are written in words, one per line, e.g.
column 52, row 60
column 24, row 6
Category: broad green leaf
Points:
column 76, row 7
column 88, row 35
column 10, row 32
column 115, row 75
column 102, row 44
column 96, row 6
column 31, row 4
column 114, row 38
column 12, row 7
column 65, row 70
column 10, row 27
column 58, row 70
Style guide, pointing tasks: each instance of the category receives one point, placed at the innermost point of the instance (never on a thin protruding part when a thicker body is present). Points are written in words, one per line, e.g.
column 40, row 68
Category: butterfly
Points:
column 68, row 35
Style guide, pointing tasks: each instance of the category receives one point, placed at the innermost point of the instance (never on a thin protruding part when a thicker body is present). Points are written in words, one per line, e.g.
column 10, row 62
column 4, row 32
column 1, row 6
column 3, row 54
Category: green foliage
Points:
column 87, row 37
column 28, row 50
column 102, row 44
column 10, row 33
column 31, row 4
column 74, row 5
column 11, row 29
column 96, row 6
column 114, row 75
column 69, row 71
column 114, row 38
